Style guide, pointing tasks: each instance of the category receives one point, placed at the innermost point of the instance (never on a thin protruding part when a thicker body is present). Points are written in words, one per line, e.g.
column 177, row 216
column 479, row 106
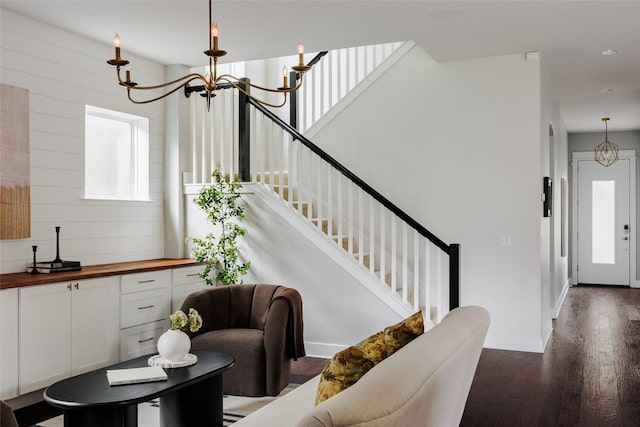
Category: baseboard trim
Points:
column 322, row 350
column 560, row 301
column 530, row 345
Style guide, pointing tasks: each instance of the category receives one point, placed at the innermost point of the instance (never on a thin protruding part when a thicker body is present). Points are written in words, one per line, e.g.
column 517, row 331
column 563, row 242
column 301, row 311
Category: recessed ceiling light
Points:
column 606, row 90
column 609, row 51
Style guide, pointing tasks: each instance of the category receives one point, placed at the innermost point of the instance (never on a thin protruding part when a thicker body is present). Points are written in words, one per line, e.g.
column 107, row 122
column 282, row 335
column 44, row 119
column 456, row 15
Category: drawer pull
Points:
column 146, row 306
column 193, row 274
column 147, row 340
column 146, row 281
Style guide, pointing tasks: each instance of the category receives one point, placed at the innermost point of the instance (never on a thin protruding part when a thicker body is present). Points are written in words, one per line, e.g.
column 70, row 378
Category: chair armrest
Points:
column 278, row 366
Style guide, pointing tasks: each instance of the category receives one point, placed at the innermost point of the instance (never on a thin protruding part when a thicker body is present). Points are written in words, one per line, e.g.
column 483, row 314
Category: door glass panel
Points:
column 603, row 222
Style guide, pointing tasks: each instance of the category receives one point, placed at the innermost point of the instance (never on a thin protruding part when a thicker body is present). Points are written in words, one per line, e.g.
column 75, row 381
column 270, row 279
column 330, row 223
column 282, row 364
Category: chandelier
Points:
column 211, row 79
column 606, row 152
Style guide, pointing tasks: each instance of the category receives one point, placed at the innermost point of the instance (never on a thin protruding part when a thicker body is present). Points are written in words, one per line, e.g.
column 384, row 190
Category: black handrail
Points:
column 359, row 182
column 453, row 250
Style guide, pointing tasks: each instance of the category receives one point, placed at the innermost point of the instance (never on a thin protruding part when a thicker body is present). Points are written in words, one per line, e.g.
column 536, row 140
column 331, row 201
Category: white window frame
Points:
column 138, row 187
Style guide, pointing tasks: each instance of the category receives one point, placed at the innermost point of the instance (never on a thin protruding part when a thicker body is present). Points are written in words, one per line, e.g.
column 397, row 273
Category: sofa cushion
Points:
column 350, row 364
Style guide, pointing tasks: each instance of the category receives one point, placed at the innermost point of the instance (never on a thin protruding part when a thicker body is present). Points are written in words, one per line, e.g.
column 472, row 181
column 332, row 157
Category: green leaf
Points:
column 220, row 202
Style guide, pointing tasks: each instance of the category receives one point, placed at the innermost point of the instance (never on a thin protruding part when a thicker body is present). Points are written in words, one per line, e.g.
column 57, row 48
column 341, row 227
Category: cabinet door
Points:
column 8, row 343
column 94, row 324
column 44, row 335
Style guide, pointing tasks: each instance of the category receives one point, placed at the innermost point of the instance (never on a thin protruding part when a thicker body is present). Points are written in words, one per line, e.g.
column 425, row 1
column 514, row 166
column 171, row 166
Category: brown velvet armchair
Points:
column 259, row 325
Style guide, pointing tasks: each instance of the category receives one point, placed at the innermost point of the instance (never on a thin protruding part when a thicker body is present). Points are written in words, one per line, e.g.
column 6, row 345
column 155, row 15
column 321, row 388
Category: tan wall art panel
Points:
column 15, row 195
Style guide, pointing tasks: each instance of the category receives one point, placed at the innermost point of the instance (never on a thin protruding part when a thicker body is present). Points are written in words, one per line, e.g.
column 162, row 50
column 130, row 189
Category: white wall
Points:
column 457, row 145
column 63, row 72
column 553, row 141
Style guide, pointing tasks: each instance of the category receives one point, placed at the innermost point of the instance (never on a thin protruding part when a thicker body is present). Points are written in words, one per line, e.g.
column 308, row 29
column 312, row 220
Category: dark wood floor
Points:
column 588, row 376
column 305, row 368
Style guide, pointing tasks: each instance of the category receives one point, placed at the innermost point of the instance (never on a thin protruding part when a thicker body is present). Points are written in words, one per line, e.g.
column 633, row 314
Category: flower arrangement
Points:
column 179, row 320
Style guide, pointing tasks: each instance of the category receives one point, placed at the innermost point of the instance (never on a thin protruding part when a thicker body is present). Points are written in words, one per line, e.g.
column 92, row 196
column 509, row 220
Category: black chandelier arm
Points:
column 196, row 77
column 240, row 89
column 188, row 78
column 230, row 79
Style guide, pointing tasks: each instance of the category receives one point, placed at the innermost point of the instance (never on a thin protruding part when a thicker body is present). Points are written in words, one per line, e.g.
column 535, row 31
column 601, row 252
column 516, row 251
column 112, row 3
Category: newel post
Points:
column 244, row 133
column 454, row 276
column 293, row 100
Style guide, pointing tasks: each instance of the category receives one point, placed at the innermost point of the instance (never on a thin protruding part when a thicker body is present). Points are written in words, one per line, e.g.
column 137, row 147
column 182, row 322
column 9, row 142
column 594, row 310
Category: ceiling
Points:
column 568, row 34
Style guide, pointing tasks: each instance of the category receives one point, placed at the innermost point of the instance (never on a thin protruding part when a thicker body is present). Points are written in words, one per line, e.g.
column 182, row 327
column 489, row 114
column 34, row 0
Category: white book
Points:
column 136, row 375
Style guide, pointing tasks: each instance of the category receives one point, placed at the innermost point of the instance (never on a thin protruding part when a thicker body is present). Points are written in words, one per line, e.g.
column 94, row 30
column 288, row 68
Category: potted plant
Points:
column 220, row 202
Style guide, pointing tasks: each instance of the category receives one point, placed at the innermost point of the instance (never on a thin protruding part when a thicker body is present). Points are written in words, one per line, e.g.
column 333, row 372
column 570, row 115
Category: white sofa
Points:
column 425, row 383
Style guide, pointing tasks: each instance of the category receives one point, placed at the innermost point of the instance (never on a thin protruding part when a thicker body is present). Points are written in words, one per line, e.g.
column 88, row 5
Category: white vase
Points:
column 174, row 345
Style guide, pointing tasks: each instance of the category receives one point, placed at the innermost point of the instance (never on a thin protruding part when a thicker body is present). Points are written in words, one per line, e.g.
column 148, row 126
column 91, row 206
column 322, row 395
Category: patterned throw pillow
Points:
column 350, row 364
column 341, row 372
column 400, row 334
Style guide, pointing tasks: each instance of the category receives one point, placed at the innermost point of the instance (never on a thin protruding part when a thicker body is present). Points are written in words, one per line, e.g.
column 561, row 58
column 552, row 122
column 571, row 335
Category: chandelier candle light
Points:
column 210, row 79
column 606, row 153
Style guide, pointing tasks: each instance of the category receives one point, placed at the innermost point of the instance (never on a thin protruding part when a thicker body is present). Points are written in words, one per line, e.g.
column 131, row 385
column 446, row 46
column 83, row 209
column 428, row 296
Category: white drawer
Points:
column 139, row 282
column 140, row 340
column 144, row 307
column 180, row 292
column 187, row 274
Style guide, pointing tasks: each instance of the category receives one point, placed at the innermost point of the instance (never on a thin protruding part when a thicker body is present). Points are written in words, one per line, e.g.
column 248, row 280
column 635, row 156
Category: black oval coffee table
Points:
column 192, row 396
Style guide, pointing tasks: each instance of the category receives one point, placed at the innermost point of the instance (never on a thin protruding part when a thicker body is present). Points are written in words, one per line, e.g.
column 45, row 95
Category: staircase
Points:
column 397, row 252
column 325, row 225
column 415, row 267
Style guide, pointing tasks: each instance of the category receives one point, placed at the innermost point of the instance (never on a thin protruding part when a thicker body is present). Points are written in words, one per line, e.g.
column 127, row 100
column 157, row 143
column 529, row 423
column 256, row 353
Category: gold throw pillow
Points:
column 349, row 365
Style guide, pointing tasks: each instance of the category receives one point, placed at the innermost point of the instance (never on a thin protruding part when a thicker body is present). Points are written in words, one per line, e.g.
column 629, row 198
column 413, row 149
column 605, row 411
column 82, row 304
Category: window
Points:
column 603, row 222
column 116, row 155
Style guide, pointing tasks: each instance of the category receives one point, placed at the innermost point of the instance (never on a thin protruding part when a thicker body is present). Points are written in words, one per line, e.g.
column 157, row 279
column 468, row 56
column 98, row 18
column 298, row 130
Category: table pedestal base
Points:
column 199, row 404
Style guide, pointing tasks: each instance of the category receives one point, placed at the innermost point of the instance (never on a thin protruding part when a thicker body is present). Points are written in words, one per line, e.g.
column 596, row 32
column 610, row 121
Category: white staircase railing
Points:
column 214, row 134
column 395, row 253
column 398, row 254
column 339, row 72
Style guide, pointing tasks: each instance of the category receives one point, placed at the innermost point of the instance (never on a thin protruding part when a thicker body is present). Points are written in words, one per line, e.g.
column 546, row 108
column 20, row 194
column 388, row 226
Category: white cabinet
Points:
column 145, row 305
column 185, row 281
column 139, row 340
column 8, row 343
column 66, row 329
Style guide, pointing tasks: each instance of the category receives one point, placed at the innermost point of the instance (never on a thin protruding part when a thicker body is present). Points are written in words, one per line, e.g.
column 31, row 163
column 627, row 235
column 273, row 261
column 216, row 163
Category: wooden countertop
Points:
column 18, row 280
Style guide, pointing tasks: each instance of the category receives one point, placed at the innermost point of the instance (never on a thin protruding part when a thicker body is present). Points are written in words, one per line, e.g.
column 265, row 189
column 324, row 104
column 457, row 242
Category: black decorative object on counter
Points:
column 34, row 270
column 58, row 259
column 58, row 264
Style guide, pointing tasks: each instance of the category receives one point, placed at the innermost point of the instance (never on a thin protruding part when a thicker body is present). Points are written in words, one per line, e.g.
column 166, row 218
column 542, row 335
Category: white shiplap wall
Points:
column 63, row 72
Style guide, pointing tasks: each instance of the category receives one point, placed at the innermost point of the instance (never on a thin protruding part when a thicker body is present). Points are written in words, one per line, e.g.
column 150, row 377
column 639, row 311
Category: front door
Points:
column 603, row 223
